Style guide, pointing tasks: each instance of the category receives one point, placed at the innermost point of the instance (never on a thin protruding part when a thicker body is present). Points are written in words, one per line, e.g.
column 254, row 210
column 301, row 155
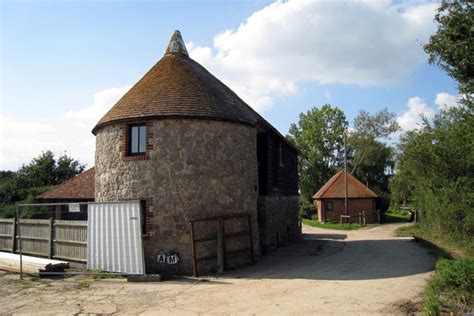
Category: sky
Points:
column 63, row 64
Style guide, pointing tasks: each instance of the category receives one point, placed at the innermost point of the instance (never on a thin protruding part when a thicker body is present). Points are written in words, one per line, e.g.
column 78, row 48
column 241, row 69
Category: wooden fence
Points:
column 50, row 238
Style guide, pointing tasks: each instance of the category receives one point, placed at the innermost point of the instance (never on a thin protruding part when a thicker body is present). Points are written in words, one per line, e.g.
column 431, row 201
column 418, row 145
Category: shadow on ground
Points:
column 331, row 257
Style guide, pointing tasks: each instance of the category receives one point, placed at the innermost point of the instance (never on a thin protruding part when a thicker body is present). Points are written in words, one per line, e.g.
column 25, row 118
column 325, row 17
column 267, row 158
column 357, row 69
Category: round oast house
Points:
column 202, row 162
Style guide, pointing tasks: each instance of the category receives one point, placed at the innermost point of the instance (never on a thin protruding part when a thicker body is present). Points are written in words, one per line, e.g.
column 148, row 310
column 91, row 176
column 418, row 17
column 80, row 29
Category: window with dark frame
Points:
column 137, row 139
column 329, row 205
column 280, row 155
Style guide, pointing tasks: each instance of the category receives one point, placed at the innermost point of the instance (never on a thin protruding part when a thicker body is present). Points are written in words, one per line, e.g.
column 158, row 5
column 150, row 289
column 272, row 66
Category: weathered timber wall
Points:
column 7, row 227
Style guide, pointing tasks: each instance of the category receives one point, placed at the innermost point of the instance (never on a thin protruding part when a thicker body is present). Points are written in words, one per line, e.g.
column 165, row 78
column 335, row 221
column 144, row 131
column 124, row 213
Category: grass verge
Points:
column 450, row 291
column 407, row 231
column 396, row 218
column 337, row 226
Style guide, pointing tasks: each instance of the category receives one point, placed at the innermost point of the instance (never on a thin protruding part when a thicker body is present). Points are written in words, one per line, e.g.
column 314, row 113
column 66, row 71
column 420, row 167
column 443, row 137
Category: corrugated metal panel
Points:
column 114, row 237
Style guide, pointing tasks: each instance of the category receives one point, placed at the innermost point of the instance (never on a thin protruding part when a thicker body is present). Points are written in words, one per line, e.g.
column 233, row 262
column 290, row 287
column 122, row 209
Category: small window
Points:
column 329, row 205
column 280, row 155
column 137, row 139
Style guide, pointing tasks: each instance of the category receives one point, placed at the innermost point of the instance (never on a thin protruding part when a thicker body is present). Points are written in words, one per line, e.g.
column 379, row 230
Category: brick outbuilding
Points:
column 329, row 200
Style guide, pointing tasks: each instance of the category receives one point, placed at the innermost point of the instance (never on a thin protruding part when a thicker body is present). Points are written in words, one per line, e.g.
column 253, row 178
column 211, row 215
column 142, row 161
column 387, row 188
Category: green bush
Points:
column 451, row 289
column 307, row 211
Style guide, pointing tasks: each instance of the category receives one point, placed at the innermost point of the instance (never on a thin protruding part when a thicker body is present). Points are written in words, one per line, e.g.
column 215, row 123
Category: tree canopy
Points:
column 35, row 178
column 452, row 46
column 435, row 173
column 319, row 136
column 435, row 163
column 368, row 151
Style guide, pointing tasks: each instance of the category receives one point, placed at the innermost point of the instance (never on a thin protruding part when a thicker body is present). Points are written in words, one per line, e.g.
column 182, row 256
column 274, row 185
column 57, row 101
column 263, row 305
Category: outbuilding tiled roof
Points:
column 80, row 187
column 177, row 86
column 335, row 188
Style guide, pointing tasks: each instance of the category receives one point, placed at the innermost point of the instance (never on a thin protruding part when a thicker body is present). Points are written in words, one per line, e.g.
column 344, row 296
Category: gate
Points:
column 114, row 237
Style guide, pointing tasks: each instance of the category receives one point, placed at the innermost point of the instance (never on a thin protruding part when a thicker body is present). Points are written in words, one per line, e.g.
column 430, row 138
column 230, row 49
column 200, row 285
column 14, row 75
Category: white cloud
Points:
column 288, row 43
column 445, row 100
column 412, row 118
column 23, row 139
column 327, row 95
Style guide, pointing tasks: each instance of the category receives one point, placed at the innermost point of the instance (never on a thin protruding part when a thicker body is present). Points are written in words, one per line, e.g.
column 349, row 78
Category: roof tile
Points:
column 335, row 188
column 179, row 86
column 81, row 187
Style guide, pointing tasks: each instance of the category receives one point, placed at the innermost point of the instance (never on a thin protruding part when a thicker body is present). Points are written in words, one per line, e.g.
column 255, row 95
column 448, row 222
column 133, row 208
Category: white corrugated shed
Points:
column 114, row 237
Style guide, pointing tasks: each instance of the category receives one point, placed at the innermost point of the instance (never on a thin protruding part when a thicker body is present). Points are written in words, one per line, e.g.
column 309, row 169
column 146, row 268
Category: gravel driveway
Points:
column 330, row 272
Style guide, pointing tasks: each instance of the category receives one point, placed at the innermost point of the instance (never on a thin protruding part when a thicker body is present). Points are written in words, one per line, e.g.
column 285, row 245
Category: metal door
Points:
column 114, row 237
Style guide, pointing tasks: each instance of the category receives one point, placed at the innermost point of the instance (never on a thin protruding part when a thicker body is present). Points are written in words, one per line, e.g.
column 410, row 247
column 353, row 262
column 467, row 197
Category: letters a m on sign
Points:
column 161, row 258
column 172, row 259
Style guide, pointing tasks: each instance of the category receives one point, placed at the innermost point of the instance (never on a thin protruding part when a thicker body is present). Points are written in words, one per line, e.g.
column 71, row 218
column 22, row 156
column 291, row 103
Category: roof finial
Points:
column 176, row 45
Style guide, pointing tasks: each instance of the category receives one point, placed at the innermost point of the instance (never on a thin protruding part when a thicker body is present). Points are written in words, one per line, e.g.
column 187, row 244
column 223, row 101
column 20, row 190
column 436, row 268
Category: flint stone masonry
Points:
column 196, row 169
column 278, row 221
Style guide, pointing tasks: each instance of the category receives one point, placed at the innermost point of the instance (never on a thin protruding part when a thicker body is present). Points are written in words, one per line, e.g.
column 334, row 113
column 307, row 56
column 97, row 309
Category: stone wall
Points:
column 196, row 169
column 278, row 221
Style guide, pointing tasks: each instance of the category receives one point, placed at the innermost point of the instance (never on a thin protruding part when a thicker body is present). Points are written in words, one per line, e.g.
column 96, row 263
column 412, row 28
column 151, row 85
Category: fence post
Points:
column 50, row 239
column 19, row 242
column 13, row 234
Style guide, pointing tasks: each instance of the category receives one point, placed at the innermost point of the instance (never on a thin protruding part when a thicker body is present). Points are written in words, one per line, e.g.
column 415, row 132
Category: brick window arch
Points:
column 136, row 140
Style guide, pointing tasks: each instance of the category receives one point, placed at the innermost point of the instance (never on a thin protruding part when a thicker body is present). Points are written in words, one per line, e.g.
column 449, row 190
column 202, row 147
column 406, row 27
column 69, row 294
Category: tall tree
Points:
column 452, row 46
column 365, row 140
column 371, row 159
column 435, row 164
column 319, row 138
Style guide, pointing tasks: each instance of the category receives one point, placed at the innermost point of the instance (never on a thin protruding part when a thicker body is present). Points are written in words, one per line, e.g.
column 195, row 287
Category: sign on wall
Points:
column 168, row 258
column 74, row 208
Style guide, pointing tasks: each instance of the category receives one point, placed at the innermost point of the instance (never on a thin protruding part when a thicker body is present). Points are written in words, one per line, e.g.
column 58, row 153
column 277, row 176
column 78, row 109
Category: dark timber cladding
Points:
column 278, row 166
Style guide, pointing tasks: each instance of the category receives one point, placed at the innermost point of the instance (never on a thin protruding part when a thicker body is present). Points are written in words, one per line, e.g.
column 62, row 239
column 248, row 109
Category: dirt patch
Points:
column 406, row 307
column 367, row 271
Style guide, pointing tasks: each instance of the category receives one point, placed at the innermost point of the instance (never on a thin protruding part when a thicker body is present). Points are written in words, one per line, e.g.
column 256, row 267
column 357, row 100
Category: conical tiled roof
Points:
column 335, row 188
column 179, row 87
